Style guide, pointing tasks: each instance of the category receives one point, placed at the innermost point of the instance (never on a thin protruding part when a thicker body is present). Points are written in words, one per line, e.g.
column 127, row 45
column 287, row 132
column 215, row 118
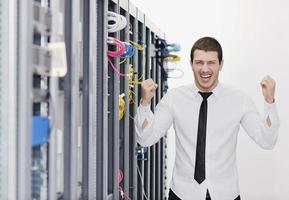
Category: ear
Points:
column 221, row 65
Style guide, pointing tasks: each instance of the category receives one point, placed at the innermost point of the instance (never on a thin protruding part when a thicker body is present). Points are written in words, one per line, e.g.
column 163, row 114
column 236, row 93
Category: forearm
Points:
column 150, row 127
column 267, row 132
column 270, row 115
column 269, row 126
column 262, row 131
column 144, row 126
column 268, row 89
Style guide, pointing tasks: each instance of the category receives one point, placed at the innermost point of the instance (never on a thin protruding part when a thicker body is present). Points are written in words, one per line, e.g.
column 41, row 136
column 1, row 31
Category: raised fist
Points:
column 148, row 88
column 268, row 89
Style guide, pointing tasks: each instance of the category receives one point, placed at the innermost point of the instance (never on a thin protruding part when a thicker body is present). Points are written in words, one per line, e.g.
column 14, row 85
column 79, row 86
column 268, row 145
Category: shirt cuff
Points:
column 269, row 107
column 271, row 111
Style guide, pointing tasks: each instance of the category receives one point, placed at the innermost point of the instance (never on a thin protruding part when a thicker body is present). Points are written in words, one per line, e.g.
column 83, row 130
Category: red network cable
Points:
column 123, row 194
column 114, row 54
column 119, row 44
column 116, row 70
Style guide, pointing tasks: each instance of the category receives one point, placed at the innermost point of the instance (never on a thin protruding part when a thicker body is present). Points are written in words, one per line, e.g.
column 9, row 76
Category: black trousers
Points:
column 173, row 196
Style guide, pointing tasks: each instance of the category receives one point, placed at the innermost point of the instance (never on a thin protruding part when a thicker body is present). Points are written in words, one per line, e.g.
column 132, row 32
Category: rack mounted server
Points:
column 60, row 132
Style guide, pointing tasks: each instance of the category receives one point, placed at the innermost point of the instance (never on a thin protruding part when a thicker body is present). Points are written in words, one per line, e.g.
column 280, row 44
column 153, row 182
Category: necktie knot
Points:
column 205, row 95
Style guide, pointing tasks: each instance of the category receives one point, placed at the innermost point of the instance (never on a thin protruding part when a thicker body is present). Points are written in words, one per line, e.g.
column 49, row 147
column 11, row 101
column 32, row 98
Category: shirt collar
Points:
column 216, row 91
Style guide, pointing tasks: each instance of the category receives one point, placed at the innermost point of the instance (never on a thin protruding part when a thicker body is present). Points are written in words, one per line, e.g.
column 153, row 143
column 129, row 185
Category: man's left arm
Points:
column 263, row 128
column 268, row 89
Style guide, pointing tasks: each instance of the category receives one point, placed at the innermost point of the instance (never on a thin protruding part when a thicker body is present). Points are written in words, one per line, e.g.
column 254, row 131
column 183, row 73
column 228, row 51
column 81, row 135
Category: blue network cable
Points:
column 174, row 47
column 129, row 52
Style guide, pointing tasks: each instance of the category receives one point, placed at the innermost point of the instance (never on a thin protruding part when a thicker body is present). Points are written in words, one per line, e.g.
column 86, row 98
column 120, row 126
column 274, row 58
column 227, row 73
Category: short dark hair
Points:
column 207, row 44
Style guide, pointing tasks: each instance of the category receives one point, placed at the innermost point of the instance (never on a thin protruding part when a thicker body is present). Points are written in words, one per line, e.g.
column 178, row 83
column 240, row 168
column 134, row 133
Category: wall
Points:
column 254, row 36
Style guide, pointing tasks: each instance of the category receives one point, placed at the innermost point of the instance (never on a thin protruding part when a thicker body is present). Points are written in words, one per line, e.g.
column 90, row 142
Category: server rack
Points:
column 60, row 103
column 142, row 167
column 8, row 100
column 15, row 111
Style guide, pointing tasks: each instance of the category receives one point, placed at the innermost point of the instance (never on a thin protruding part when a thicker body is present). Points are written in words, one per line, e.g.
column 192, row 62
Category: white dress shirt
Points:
column 227, row 109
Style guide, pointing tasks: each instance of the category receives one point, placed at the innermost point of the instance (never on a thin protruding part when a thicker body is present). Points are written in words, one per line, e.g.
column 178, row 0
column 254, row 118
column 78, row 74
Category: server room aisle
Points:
column 70, row 81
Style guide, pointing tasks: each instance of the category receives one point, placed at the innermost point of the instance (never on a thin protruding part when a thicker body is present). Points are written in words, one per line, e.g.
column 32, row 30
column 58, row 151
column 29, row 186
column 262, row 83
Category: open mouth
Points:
column 205, row 77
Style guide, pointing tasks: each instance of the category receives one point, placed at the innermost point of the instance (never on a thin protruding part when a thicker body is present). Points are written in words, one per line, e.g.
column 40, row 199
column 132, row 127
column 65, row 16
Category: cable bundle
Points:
column 172, row 58
column 173, row 47
column 122, row 193
column 116, row 54
column 116, row 22
column 124, row 50
column 119, row 44
column 122, row 106
column 164, row 49
column 161, row 46
column 129, row 50
column 132, row 82
column 137, row 45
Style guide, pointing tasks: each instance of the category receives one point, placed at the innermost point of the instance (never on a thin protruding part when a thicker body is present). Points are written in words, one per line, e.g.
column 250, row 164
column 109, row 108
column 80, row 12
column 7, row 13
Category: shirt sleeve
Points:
column 256, row 126
column 157, row 123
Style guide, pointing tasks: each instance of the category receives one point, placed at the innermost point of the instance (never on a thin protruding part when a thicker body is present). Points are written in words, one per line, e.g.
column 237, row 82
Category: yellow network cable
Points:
column 137, row 45
column 121, row 62
column 121, row 107
column 172, row 58
column 131, row 81
column 131, row 96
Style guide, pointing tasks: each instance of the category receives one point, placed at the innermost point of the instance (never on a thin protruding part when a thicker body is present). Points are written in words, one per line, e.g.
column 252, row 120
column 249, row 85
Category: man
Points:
column 206, row 117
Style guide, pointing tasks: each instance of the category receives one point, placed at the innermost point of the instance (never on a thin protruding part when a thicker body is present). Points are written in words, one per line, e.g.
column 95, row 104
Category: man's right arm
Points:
column 150, row 127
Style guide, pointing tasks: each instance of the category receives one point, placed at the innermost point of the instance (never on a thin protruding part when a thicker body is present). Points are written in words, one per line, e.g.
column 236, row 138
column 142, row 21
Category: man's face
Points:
column 206, row 69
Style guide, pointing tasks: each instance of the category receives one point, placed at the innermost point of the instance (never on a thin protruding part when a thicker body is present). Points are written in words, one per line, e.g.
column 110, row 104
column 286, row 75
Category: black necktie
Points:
column 200, row 174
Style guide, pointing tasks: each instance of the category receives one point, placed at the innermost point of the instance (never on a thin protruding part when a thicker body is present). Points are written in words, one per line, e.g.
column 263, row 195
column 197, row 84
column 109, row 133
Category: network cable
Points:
column 124, row 50
column 173, row 47
column 122, row 193
column 116, row 70
column 129, row 50
column 172, row 58
column 116, row 54
column 122, row 107
column 116, row 22
column 137, row 45
column 132, row 82
column 161, row 46
column 141, row 178
column 119, row 44
column 132, row 47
